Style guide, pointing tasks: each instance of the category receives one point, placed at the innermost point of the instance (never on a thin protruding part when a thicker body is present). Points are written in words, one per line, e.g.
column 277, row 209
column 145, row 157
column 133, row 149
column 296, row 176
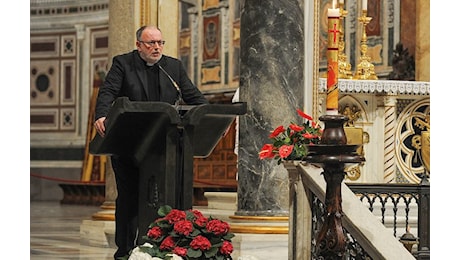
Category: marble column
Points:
column 100, row 231
column 389, row 164
column 121, row 39
column 272, row 84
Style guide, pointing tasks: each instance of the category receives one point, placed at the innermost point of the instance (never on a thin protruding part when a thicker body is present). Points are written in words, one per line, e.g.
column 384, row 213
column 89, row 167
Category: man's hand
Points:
column 100, row 126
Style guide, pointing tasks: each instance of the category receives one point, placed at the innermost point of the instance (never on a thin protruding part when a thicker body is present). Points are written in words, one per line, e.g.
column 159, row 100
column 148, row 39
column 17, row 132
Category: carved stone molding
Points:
column 380, row 86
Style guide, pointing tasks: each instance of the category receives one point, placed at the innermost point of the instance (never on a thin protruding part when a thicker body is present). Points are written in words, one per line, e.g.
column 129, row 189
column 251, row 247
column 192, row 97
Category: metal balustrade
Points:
column 399, row 207
column 394, row 204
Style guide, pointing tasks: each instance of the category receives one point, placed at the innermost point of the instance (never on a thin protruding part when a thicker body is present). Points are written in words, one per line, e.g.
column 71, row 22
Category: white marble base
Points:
column 97, row 233
column 222, row 200
column 260, row 247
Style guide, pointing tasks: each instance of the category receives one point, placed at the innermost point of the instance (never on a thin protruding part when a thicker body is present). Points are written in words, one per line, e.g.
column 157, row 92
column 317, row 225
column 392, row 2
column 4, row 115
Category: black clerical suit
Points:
column 130, row 76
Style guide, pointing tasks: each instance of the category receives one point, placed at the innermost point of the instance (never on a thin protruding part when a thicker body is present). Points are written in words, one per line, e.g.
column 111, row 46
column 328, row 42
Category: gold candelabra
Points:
column 365, row 69
column 344, row 65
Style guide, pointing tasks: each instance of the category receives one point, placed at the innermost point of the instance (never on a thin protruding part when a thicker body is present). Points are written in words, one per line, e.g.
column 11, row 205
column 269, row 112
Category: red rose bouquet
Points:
column 188, row 234
column 292, row 143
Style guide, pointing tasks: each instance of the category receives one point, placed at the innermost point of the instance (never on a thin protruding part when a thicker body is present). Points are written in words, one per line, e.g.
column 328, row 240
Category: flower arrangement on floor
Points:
column 179, row 234
column 292, row 143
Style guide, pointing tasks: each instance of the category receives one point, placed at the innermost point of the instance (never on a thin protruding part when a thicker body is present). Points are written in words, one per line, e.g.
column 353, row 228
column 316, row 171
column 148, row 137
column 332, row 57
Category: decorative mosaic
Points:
column 38, row 8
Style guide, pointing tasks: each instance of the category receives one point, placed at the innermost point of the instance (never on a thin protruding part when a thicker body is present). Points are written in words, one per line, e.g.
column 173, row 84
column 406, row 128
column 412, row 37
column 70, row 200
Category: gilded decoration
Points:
column 412, row 153
column 185, row 41
column 210, row 75
column 355, row 135
column 208, row 4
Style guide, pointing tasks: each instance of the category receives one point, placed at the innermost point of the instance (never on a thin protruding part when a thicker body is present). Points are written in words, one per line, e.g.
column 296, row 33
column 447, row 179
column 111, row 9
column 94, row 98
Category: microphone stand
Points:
column 179, row 142
column 179, row 100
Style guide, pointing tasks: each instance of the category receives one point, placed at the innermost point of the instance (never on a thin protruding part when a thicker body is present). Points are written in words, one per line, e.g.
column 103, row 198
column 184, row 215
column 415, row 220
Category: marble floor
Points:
column 55, row 234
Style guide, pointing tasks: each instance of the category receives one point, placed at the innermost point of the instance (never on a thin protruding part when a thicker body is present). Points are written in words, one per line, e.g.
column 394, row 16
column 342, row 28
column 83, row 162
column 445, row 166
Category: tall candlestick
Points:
column 364, row 4
column 332, row 99
column 334, row 4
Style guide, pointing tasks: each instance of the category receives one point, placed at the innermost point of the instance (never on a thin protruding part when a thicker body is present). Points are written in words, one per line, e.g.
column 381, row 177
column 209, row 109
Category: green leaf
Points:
column 194, row 253
column 229, row 236
column 189, row 215
column 278, row 143
column 195, row 232
column 215, row 241
column 164, row 210
column 164, row 224
column 211, row 252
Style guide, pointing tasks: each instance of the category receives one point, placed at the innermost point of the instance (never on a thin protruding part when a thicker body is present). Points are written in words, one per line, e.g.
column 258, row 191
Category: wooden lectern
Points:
column 163, row 140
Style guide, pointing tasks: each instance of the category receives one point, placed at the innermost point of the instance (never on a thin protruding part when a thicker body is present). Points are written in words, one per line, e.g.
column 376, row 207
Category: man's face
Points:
column 151, row 45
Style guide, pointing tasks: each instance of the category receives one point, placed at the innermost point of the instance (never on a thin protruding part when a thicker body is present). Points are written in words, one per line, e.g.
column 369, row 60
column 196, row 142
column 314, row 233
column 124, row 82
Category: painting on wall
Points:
column 211, row 36
column 373, row 10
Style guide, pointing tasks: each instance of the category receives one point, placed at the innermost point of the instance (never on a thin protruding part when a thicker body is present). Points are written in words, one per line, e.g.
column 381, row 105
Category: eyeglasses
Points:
column 152, row 43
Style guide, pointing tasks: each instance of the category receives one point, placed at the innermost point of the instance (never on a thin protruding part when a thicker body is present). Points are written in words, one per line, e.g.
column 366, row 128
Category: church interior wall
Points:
column 68, row 42
column 69, row 58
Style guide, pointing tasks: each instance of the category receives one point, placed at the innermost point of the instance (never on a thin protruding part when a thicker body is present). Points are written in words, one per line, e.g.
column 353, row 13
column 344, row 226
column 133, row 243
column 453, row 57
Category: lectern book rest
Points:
column 163, row 140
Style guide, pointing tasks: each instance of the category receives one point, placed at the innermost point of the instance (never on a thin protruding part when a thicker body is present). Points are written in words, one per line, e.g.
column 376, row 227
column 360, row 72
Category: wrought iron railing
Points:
column 398, row 203
column 353, row 250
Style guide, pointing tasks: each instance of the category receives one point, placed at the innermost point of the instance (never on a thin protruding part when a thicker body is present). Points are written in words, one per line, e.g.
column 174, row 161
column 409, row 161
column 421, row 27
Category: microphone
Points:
column 179, row 93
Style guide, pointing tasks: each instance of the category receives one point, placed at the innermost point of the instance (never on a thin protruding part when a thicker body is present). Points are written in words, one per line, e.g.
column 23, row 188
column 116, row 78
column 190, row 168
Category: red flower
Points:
column 294, row 141
column 188, row 234
column 302, row 114
column 296, row 128
column 267, row 152
column 180, row 251
column 218, row 227
column 197, row 213
column 277, row 131
column 309, row 136
column 183, row 227
column 227, row 248
column 175, row 215
column 201, row 221
column 200, row 242
column 154, row 233
column 167, row 244
column 285, row 150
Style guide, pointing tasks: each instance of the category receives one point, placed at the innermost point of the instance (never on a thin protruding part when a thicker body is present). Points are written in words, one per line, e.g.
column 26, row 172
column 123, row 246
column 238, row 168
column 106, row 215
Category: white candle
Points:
column 334, row 3
column 333, row 12
column 332, row 99
column 365, row 5
column 342, row 1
